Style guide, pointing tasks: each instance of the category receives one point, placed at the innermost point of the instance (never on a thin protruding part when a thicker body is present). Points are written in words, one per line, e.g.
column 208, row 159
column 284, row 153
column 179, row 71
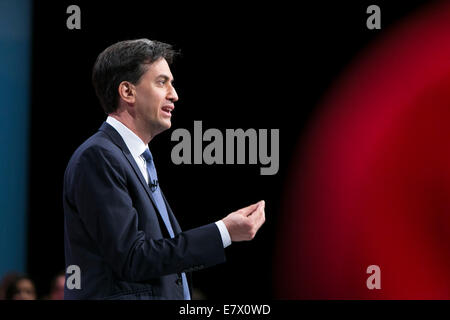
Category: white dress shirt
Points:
column 137, row 148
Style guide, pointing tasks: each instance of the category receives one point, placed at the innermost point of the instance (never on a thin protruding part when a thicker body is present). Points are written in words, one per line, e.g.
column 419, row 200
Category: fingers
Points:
column 243, row 224
column 249, row 210
column 258, row 216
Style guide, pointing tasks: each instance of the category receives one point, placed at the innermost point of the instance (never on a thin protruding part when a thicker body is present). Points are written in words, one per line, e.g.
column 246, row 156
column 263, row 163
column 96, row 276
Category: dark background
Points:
column 254, row 66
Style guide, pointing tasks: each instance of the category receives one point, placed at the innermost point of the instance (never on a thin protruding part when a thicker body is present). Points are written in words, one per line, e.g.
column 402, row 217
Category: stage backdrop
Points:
column 15, row 56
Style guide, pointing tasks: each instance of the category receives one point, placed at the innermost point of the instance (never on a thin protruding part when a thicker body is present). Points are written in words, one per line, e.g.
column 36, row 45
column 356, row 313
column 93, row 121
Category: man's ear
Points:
column 127, row 92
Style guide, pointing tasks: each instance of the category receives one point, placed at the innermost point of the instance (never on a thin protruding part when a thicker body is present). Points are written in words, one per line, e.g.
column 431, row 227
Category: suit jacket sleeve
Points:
column 98, row 189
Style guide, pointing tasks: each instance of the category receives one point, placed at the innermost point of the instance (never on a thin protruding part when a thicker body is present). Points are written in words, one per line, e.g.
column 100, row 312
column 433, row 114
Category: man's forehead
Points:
column 160, row 68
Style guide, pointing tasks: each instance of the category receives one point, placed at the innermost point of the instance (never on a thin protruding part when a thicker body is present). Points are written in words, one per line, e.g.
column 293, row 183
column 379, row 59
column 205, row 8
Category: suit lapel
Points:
column 175, row 226
column 117, row 139
column 141, row 178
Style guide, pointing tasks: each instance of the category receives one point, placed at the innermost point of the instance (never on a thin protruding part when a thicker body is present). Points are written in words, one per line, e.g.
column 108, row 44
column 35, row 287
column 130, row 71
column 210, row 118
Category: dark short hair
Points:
column 125, row 61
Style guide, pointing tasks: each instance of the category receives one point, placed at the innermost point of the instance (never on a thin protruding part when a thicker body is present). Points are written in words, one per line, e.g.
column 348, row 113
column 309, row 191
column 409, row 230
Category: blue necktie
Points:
column 153, row 183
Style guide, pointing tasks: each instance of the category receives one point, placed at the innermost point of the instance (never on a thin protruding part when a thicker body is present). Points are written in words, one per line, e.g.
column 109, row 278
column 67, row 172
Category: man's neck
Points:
column 127, row 120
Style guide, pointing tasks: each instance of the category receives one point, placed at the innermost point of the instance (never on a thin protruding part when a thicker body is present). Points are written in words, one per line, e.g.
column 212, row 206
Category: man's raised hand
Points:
column 243, row 224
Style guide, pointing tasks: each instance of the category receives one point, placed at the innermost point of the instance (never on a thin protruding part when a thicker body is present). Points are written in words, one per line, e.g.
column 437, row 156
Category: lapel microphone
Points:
column 153, row 185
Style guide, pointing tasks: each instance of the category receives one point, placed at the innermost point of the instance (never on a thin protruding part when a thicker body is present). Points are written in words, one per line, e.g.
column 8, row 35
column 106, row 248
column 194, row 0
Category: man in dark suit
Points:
column 119, row 229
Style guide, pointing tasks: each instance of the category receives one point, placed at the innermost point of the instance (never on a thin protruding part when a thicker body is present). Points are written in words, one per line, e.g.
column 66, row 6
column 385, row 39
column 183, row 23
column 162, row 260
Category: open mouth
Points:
column 167, row 110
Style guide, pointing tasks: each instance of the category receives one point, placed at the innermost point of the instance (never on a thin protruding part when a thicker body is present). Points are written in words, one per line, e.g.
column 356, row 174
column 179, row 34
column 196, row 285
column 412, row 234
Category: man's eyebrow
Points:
column 165, row 77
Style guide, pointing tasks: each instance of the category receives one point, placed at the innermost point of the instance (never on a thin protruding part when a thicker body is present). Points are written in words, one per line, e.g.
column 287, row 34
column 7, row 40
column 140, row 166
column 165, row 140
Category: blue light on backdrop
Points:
column 15, row 57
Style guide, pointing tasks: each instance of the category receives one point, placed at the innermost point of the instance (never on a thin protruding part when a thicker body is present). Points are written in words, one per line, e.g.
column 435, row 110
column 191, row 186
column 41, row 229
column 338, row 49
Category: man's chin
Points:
column 168, row 124
column 160, row 126
column 164, row 125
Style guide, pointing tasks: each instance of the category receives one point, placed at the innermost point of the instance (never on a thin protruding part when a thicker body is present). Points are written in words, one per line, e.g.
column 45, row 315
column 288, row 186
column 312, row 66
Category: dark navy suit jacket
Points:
column 114, row 233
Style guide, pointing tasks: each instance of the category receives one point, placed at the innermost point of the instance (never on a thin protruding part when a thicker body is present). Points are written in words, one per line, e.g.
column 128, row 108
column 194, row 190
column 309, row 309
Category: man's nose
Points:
column 172, row 95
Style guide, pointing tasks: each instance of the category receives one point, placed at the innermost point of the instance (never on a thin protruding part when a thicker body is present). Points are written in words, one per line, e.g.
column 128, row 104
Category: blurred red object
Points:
column 371, row 181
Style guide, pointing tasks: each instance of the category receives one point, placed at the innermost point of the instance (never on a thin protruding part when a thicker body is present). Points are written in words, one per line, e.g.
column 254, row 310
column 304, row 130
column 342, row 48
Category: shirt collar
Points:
column 133, row 142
